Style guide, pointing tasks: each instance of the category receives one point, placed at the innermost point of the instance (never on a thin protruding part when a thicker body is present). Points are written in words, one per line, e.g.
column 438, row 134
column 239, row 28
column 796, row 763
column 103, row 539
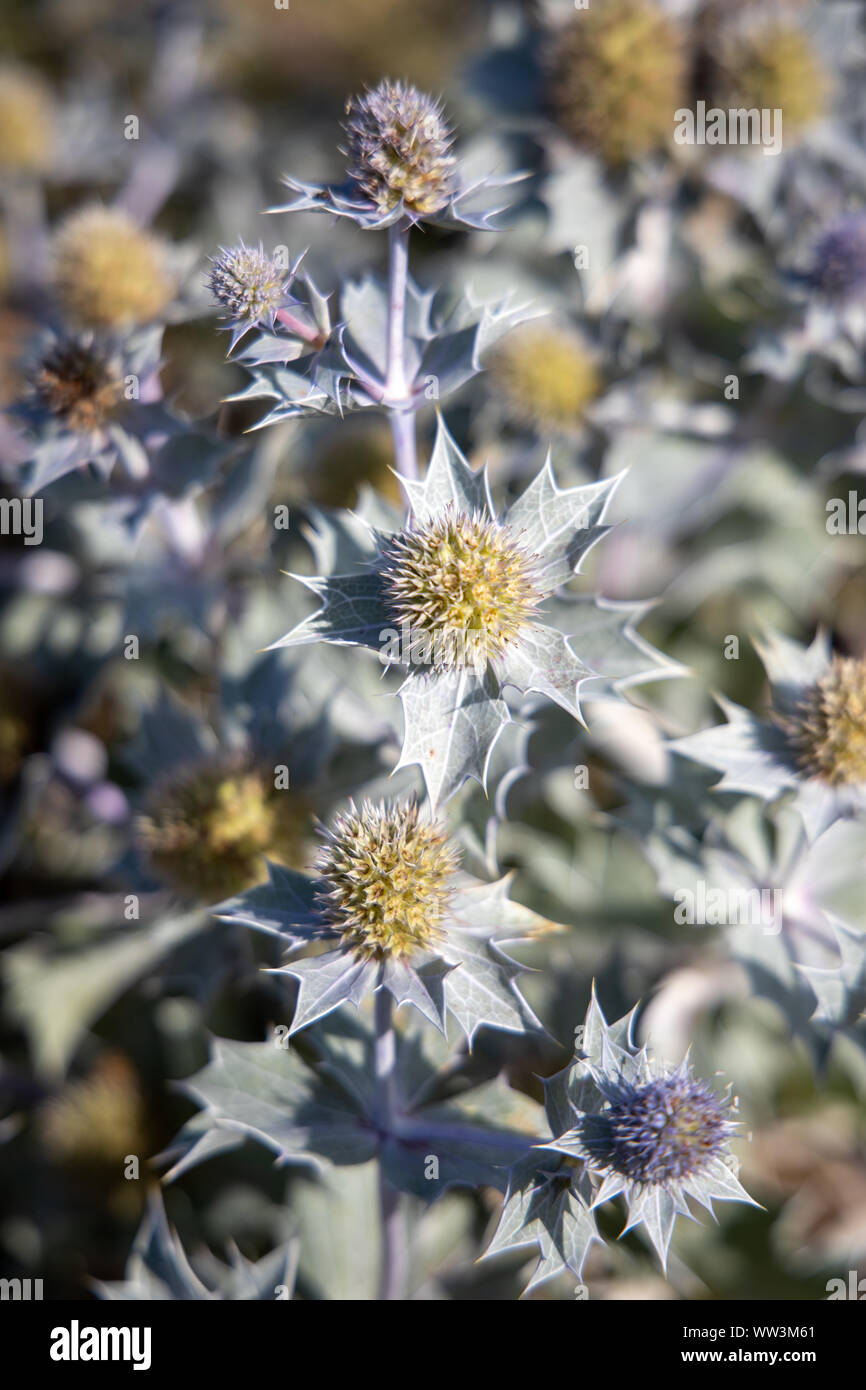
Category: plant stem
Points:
column 302, row 330
column 393, row 1275
column 400, row 416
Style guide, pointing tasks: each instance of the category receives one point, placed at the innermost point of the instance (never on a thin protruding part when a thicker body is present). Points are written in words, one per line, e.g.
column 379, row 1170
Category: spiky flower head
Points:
column 248, row 284
column 464, row 596
column 617, row 75
column 399, row 148
column 545, row 375
column 628, row 1126
column 838, row 270
column 386, row 879
column 26, row 121
column 78, row 384
column 209, row 829
column 813, row 744
column 461, row 584
column 829, row 729
column 774, row 66
column 109, row 272
column 667, row 1129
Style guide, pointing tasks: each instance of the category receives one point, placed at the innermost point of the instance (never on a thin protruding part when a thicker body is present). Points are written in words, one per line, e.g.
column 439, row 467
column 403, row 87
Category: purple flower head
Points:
column 667, row 1129
column 838, row 269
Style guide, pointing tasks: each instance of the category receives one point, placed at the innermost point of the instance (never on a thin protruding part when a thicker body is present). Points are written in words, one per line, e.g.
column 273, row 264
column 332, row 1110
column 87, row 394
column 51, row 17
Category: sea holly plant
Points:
column 461, row 596
column 399, row 918
column 385, row 351
column 626, row 1126
column 812, row 746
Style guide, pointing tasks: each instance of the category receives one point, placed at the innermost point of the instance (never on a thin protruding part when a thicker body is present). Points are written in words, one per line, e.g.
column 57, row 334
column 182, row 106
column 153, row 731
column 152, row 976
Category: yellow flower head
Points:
column 109, row 272
column 461, row 585
column 386, row 879
column 545, row 376
column 829, row 730
column 26, row 123
column 618, row 74
column 209, row 829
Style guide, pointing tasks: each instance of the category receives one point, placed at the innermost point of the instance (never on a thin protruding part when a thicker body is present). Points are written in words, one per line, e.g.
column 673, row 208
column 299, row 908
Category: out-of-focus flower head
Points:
column 208, row 829
column 26, row 122
column 545, row 376
column 838, row 268
column 110, row 273
column 617, row 73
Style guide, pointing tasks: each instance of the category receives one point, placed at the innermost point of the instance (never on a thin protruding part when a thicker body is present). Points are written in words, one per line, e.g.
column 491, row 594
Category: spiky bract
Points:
column 667, row 1129
column 108, row 271
column 248, row 284
column 461, row 585
column 399, row 148
column 618, row 75
column 829, row 731
column 545, row 376
column 386, row 879
column 209, row 829
column 77, row 383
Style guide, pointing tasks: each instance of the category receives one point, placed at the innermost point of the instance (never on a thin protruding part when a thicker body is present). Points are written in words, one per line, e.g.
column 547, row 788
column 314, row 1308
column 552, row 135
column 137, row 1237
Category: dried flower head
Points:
column 667, row 1129
column 399, row 148
column 545, row 375
column 209, row 829
column 461, row 584
column 387, row 879
column 838, row 270
column 617, row 75
column 829, row 730
column 78, row 384
column 248, row 284
column 108, row 271
column 26, row 120
column 774, row 66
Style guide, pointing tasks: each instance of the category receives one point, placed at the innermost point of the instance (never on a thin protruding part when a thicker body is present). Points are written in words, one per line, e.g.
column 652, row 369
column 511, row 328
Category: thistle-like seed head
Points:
column 545, row 375
column 399, row 147
column 77, row 384
column 386, row 879
column 838, row 268
column 108, row 271
column 829, row 730
column 617, row 75
column 25, row 123
column 773, row 66
column 667, row 1129
column 209, row 829
column 248, row 284
column 463, row 587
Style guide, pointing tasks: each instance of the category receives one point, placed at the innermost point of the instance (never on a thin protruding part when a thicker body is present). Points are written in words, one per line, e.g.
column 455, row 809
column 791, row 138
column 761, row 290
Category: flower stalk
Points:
column 396, row 396
column 394, row 1269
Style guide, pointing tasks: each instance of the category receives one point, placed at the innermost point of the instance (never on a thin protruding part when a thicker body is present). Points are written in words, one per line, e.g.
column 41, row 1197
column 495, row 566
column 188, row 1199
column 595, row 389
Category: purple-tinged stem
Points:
column 401, row 419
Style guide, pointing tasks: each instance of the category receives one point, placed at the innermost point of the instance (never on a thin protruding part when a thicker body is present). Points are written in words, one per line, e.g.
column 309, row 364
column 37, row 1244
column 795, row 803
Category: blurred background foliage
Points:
column 123, row 777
